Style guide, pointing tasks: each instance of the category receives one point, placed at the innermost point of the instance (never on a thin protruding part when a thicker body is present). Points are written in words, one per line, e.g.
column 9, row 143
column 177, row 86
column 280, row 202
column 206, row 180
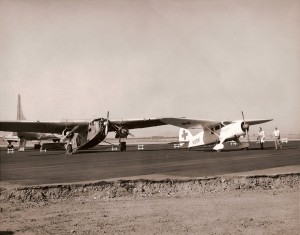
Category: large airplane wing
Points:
column 257, row 121
column 190, row 123
column 40, row 126
column 138, row 123
column 59, row 126
column 200, row 123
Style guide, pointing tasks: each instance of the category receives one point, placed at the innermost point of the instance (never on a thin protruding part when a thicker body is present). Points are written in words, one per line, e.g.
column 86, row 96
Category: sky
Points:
column 196, row 58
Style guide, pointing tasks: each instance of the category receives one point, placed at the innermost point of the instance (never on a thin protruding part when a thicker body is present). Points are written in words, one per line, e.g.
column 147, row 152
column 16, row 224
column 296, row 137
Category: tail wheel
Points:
column 69, row 149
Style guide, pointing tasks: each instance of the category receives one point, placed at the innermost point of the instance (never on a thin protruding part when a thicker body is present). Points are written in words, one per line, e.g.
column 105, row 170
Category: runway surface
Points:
column 33, row 167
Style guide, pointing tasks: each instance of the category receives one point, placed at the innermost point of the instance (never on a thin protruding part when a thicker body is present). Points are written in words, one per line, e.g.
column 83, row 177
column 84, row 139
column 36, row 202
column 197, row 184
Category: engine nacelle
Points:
column 122, row 133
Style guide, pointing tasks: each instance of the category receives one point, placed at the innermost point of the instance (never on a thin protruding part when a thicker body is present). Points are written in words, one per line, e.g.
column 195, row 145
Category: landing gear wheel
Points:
column 123, row 146
column 37, row 146
column 10, row 146
column 69, row 149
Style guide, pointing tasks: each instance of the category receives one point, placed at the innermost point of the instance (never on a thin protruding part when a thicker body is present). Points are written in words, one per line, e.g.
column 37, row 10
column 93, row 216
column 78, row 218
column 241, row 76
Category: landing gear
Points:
column 22, row 144
column 10, row 148
column 69, row 149
column 122, row 146
column 37, row 146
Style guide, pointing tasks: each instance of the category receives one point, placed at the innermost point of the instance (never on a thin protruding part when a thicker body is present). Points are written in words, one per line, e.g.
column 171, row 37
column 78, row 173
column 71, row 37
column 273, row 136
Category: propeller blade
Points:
column 243, row 116
column 106, row 129
column 107, row 123
column 246, row 127
column 75, row 128
column 108, row 142
column 69, row 134
column 130, row 134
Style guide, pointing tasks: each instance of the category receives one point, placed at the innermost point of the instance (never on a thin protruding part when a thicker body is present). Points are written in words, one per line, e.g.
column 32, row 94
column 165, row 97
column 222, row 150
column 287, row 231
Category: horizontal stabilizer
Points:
column 10, row 138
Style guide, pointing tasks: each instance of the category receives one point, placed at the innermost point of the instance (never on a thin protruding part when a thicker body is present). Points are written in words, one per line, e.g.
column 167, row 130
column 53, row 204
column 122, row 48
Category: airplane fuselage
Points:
column 88, row 137
column 93, row 136
column 219, row 133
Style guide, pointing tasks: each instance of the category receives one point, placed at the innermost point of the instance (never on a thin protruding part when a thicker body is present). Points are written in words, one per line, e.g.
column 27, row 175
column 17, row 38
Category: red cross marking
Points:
column 184, row 135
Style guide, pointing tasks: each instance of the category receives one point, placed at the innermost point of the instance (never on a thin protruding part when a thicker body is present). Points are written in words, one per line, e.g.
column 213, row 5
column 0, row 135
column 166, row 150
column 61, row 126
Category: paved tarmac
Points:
column 33, row 167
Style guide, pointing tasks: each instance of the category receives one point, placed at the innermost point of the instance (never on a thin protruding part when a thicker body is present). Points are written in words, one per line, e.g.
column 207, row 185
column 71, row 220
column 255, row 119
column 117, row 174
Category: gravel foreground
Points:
column 219, row 205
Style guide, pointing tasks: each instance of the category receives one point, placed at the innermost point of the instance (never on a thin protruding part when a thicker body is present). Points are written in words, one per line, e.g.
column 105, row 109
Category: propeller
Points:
column 114, row 126
column 121, row 132
column 70, row 134
column 106, row 123
column 246, row 128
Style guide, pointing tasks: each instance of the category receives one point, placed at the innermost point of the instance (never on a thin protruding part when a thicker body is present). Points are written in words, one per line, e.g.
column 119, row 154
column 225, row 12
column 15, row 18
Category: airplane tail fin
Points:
column 184, row 135
column 20, row 115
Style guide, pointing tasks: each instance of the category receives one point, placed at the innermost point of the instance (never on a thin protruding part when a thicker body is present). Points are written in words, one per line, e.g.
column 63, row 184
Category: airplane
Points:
column 78, row 134
column 22, row 137
column 10, row 138
column 213, row 132
column 89, row 133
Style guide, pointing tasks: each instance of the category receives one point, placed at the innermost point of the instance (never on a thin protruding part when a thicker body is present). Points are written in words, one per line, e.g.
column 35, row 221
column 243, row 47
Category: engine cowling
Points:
column 122, row 132
column 244, row 126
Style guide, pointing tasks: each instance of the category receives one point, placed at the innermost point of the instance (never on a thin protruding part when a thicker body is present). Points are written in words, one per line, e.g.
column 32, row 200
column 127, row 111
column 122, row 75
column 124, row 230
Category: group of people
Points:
column 276, row 134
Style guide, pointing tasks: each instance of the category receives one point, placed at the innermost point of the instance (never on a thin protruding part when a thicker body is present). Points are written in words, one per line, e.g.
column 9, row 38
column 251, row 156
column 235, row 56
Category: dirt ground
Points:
column 236, row 205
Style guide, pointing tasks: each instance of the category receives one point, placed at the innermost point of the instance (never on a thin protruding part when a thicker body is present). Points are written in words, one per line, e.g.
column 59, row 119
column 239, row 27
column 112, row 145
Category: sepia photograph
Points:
column 149, row 117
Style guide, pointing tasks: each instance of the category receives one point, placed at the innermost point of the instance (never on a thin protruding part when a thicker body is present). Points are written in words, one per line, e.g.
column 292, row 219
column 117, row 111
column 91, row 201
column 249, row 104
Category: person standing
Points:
column 276, row 134
column 261, row 138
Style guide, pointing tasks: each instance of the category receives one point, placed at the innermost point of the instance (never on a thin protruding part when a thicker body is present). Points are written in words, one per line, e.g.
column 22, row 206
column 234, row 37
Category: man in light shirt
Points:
column 276, row 134
column 261, row 138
